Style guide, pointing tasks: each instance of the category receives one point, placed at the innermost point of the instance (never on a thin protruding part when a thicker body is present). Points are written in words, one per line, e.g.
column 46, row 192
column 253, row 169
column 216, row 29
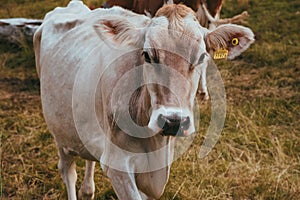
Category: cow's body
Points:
column 81, row 60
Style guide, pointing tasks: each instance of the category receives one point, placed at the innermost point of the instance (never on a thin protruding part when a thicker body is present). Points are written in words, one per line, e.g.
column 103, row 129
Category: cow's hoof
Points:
column 86, row 194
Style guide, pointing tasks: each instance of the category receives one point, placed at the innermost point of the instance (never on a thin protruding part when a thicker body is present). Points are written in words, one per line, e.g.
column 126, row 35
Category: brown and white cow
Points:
column 116, row 87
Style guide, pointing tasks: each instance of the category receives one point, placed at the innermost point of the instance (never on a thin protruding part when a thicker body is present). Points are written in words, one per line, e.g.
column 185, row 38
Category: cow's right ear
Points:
column 118, row 31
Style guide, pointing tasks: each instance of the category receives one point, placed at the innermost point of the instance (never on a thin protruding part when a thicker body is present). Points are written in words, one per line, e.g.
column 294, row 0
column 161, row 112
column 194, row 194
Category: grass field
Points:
column 257, row 156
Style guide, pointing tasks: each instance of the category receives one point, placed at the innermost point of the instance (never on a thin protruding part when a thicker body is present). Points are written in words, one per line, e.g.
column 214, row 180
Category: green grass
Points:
column 257, row 156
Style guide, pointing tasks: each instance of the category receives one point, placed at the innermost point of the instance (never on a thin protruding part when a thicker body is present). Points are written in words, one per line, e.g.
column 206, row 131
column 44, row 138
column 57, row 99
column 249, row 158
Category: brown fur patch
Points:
column 214, row 7
column 174, row 11
column 111, row 28
column 194, row 4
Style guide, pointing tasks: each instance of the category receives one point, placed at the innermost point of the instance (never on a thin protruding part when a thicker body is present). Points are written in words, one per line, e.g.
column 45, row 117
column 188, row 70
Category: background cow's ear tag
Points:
column 220, row 54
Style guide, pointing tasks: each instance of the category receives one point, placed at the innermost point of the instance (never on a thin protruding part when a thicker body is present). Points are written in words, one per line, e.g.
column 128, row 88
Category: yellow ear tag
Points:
column 220, row 54
column 235, row 41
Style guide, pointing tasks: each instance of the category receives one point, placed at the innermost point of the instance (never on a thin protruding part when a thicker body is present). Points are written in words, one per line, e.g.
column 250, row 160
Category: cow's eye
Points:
column 202, row 57
column 146, row 57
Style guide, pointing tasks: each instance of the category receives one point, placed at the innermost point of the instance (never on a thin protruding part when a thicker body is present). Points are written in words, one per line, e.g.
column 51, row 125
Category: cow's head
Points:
column 175, row 48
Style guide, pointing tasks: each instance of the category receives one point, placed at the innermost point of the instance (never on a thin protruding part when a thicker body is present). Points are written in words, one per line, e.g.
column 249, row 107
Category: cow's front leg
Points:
column 124, row 185
column 87, row 188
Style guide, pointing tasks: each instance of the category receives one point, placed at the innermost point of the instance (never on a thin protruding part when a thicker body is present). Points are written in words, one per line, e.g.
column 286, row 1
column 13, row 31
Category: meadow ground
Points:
column 257, row 156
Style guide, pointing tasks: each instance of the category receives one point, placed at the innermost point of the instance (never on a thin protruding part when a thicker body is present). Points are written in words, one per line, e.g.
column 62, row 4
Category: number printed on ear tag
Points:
column 221, row 54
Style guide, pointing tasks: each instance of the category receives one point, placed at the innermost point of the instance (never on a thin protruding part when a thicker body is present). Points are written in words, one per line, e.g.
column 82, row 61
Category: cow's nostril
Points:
column 173, row 125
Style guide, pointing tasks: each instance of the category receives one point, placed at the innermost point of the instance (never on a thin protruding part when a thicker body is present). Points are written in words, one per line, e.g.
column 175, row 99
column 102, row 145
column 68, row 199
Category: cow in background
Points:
column 208, row 11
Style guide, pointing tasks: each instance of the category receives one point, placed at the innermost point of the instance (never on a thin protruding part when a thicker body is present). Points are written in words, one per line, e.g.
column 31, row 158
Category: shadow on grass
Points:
column 111, row 195
column 20, row 55
column 14, row 85
column 108, row 195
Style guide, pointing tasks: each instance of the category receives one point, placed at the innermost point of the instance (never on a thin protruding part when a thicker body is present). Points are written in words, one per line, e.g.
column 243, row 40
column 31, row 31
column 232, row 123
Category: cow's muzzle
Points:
column 173, row 125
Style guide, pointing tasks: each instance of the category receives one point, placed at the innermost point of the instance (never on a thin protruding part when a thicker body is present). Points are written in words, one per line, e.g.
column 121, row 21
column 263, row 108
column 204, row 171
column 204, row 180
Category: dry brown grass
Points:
column 257, row 156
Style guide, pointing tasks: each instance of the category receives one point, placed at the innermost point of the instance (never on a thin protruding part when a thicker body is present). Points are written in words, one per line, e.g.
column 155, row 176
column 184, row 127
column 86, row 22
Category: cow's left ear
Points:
column 236, row 39
column 117, row 31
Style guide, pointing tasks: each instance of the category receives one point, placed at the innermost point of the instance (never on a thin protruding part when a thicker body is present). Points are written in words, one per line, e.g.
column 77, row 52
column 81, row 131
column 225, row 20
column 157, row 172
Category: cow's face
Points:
column 175, row 50
column 172, row 69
